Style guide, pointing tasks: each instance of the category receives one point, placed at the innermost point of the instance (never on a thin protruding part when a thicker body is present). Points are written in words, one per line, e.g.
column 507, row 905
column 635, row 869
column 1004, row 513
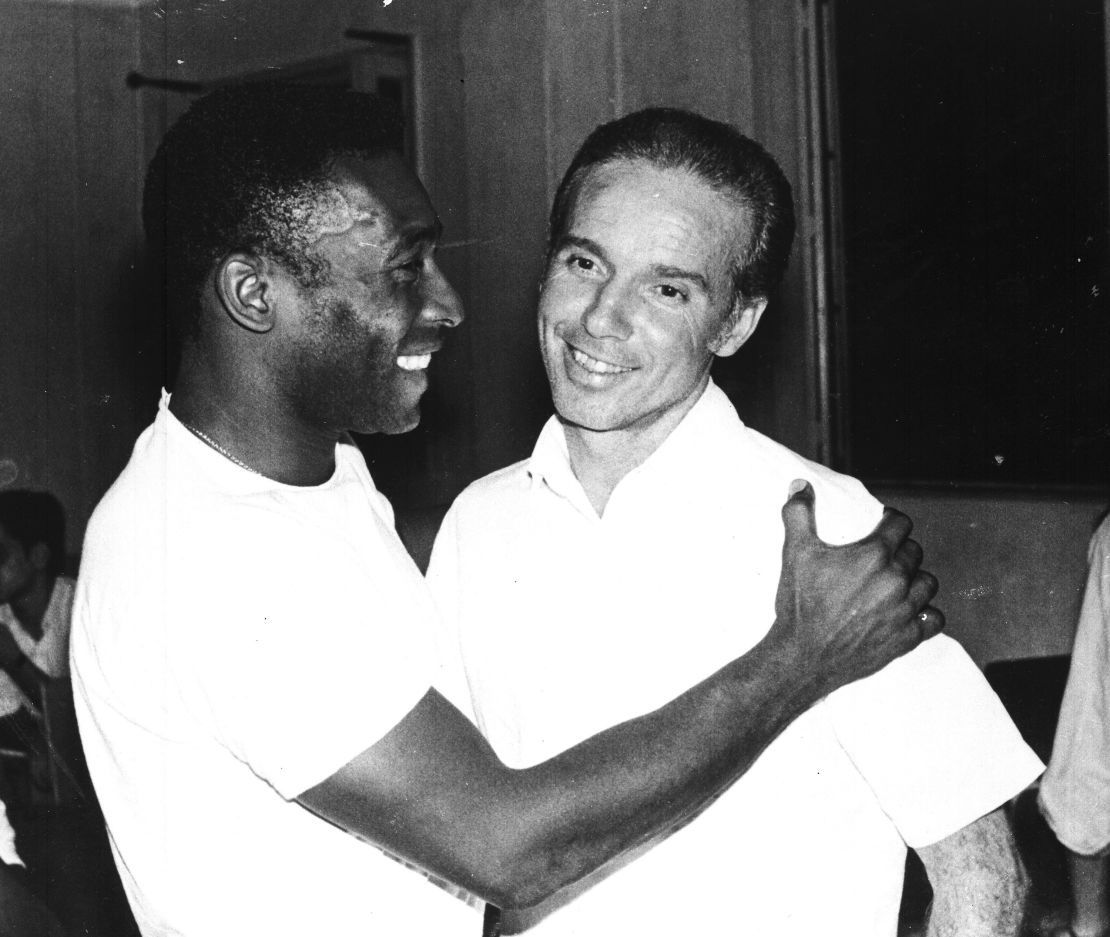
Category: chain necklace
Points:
column 220, row 449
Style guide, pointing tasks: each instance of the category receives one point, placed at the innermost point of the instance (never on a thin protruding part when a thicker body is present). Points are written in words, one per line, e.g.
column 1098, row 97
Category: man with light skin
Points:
column 251, row 652
column 582, row 585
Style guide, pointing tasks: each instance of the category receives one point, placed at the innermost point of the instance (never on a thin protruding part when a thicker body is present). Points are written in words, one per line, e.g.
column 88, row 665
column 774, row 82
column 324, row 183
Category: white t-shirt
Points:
column 563, row 623
column 50, row 653
column 1075, row 790
column 235, row 642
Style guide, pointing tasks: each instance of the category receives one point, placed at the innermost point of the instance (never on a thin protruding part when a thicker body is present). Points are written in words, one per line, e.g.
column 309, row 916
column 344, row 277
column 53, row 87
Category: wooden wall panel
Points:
column 582, row 79
column 503, row 47
column 120, row 343
column 700, row 59
column 778, row 391
column 37, row 190
column 68, row 196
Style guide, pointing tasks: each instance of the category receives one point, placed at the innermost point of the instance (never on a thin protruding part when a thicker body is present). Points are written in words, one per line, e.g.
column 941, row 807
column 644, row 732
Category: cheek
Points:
column 562, row 297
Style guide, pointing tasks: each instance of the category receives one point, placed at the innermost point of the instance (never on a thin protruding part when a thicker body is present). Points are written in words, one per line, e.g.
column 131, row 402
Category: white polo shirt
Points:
column 235, row 642
column 567, row 623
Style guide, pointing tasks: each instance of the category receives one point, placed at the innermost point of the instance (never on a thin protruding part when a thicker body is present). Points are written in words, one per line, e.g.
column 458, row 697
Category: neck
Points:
column 251, row 424
column 600, row 459
column 30, row 607
column 599, row 462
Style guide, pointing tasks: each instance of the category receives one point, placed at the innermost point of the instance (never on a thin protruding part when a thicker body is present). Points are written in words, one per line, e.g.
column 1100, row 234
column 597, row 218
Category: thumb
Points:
column 797, row 513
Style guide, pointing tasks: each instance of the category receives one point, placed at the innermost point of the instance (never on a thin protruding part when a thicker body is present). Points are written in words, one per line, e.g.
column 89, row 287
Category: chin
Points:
column 586, row 418
column 399, row 423
column 400, row 429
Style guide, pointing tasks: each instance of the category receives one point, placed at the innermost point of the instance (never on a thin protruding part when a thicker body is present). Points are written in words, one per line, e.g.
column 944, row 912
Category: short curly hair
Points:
column 728, row 161
column 244, row 169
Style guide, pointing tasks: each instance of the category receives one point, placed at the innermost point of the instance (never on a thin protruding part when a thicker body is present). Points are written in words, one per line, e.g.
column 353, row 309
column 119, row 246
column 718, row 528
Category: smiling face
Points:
column 363, row 338
column 638, row 298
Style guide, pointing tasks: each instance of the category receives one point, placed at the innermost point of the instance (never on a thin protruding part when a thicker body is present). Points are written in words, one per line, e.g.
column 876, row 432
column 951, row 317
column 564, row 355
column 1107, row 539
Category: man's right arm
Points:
column 433, row 792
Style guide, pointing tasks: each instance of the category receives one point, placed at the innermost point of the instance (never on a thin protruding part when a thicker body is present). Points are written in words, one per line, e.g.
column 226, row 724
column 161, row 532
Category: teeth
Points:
column 414, row 362
column 597, row 367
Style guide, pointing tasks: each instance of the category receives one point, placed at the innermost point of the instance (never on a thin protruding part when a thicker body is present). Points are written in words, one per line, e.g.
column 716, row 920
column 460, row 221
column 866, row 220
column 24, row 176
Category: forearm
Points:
column 433, row 791
column 979, row 884
column 1090, row 908
column 623, row 786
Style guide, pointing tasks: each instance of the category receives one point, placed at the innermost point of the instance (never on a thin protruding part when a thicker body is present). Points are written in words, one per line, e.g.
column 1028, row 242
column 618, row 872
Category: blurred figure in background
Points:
column 35, row 605
column 21, row 913
column 1075, row 791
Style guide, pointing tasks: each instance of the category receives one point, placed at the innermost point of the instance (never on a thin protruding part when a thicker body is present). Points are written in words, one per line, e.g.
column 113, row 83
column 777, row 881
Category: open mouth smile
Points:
column 595, row 365
column 414, row 362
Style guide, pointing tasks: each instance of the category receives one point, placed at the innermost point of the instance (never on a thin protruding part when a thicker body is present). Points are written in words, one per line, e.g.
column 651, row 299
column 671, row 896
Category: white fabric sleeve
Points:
column 314, row 651
column 444, row 580
column 933, row 741
column 1075, row 791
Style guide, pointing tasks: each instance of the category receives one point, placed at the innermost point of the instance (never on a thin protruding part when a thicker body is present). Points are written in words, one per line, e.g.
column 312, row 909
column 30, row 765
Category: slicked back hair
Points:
column 32, row 517
column 242, row 170
column 718, row 154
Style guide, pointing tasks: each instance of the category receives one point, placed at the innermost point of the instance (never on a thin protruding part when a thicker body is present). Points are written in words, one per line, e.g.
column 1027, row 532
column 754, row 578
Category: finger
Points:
column 894, row 528
column 908, row 558
column 930, row 622
column 797, row 513
column 922, row 590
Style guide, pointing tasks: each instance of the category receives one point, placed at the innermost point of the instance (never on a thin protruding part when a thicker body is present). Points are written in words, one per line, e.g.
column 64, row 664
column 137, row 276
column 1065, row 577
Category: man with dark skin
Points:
column 248, row 651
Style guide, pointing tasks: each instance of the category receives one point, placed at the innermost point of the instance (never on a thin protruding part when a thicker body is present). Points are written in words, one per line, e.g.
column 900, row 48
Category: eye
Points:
column 671, row 292
column 580, row 263
column 410, row 270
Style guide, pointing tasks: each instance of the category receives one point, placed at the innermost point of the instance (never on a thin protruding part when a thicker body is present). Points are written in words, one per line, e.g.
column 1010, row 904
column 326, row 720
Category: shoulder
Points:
column 498, row 484
column 845, row 509
column 497, row 492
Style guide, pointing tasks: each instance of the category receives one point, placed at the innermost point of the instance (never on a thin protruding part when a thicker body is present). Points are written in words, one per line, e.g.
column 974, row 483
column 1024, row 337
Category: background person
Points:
column 1075, row 791
column 36, row 601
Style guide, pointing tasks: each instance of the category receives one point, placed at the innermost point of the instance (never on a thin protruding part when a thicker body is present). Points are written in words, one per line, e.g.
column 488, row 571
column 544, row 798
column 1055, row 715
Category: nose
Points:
column 607, row 315
column 442, row 305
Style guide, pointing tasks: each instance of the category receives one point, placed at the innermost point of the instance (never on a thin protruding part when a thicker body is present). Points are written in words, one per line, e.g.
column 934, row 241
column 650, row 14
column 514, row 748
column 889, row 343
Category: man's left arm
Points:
column 979, row 883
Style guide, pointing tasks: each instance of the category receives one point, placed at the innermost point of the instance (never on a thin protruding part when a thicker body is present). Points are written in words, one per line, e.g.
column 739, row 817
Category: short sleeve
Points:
column 933, row 741
column 1075, row 792
column 444, row 580
column 313, row 650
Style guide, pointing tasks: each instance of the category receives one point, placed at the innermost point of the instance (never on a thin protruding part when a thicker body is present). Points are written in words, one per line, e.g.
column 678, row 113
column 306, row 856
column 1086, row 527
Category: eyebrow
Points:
column 678, row 273
column 417, row 236
column 659, row 270
column 573, row 240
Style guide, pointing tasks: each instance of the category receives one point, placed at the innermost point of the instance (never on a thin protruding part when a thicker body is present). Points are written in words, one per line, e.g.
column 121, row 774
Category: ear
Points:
column 243, row 285
column 738, row 327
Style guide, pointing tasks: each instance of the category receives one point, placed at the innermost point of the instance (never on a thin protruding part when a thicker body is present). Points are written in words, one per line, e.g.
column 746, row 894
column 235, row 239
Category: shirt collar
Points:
column 691, row 447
